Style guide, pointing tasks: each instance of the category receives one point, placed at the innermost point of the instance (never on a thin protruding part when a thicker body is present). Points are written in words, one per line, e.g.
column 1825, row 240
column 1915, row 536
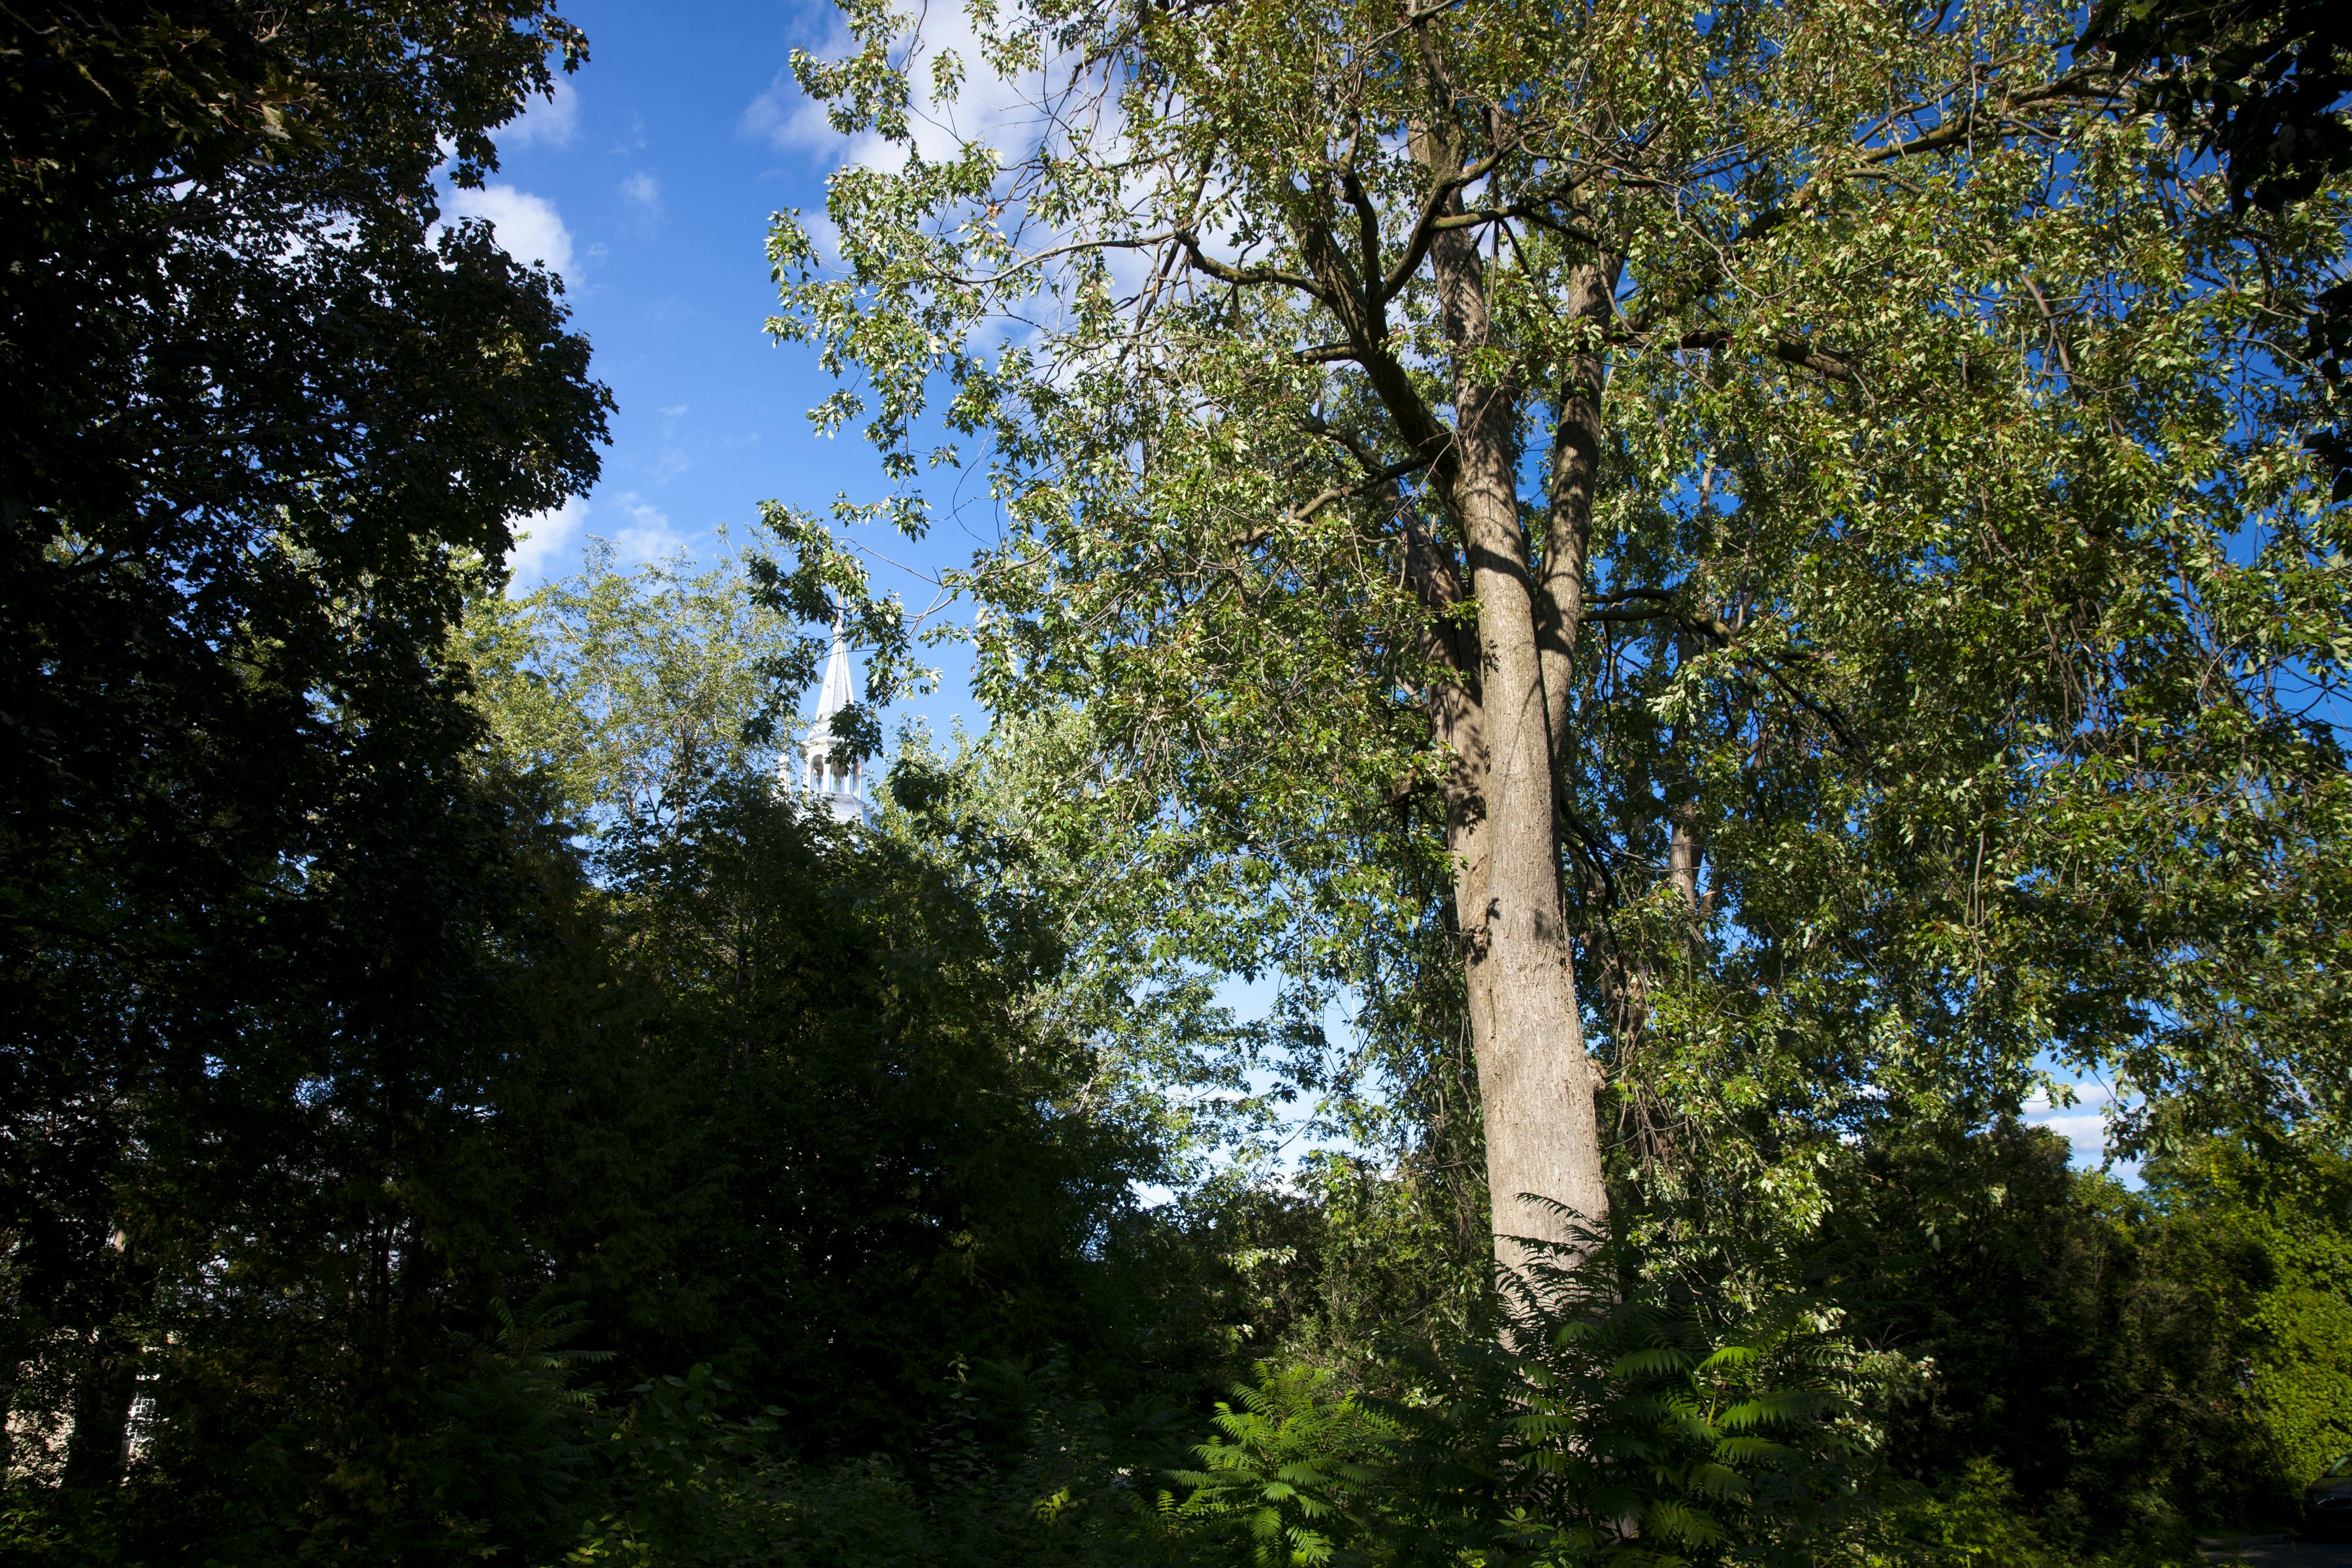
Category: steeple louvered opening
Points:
column 838, row 783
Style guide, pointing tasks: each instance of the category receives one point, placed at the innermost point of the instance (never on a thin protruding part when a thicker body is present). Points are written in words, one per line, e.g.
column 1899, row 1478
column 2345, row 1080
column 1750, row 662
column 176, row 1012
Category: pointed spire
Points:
column 838, row 691
column 839, row 785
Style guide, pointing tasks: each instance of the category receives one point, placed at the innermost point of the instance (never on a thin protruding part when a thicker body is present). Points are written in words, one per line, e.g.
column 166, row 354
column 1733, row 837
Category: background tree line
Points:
column 455, row 1107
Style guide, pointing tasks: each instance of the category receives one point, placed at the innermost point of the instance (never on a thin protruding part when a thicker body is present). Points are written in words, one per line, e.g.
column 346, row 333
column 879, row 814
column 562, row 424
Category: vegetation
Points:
column 1749, row 587
column 264, row 422
column 1776, row 538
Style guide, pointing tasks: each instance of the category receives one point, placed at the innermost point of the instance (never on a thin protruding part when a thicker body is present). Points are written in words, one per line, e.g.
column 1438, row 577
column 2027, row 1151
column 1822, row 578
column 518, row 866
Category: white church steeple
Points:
column 839, row 785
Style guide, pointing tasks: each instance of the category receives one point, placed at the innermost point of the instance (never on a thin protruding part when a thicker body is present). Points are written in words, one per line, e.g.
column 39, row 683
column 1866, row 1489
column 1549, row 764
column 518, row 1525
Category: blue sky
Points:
column 648, row 183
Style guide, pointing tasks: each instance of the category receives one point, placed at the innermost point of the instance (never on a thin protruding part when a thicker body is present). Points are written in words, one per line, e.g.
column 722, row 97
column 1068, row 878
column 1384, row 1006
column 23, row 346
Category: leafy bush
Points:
column 1612, row 1424
column 517, row 1445
column 692, row 1484
column 1975, row 1520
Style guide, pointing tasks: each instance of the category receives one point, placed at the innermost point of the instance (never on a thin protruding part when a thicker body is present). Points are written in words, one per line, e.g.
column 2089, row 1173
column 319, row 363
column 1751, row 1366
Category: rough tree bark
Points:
column 1536, row 1085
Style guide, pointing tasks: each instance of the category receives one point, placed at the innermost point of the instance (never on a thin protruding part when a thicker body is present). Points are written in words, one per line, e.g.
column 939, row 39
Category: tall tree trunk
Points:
column 1575, row 478
column 1684, row 845
column 107, row 1381
column 103, row 1388
column 1534, row 1082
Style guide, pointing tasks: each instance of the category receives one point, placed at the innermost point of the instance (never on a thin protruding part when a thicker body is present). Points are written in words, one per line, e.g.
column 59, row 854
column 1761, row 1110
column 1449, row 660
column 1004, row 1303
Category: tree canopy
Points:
column 1796, row 510
column 1730, row 599
column 267, row 423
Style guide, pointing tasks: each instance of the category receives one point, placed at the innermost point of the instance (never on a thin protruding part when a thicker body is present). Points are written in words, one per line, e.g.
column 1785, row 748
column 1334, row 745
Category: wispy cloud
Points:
column 2082, row 1123
column 528, row 227
column 673, row 461
column 1001, row 111
column 648, row 536
column 643, row 191
column 539, row 538
column 552, row 121
column 786, row 120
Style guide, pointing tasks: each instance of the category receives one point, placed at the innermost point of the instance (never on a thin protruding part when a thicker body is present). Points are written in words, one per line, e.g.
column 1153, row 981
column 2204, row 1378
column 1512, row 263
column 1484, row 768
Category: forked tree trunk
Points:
column 1535, row 1082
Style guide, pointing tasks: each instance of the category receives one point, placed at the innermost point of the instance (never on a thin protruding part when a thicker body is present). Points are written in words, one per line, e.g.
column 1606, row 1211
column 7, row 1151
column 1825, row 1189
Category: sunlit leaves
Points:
column 1962, row 603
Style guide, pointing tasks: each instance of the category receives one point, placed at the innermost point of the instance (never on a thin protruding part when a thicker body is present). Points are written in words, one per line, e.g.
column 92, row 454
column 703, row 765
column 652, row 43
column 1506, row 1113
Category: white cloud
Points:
column 2082, row 1123
column 786, row 120
column 552, row 122
column 2085, row 1093
column 1003, row 112
column 674, row 460
column 643, row 190
column 528, row 227
column 2088, row 1133
column 649, row 536
column 538, row 538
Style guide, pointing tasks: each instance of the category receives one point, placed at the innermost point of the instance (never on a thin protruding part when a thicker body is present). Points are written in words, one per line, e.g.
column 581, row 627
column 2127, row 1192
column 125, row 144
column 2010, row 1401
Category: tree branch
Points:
column 1788, row 351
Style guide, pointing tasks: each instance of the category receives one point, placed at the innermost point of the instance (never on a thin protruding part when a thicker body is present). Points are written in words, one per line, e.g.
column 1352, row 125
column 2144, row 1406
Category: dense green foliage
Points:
column 813, row 1138
column 2090, row 1343
column 455, row 1106
column 261, row 417
column 1946, row 614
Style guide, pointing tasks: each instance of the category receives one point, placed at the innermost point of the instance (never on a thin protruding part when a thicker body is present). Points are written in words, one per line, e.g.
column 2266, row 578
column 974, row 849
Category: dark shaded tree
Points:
column 267, row 418
column 2260, row 85
column 804, row 1104
column 816, row 1144
column 2106, row 1350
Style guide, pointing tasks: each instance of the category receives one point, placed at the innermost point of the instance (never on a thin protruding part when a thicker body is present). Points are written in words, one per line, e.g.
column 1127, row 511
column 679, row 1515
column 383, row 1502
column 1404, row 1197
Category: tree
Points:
column 266, row 420
column 2261, row 1237
column 1762, row 528
column 2087, row 1342
column 799, row 1107
column 2262, row 84
column 2259, row 82
column 637, row 694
